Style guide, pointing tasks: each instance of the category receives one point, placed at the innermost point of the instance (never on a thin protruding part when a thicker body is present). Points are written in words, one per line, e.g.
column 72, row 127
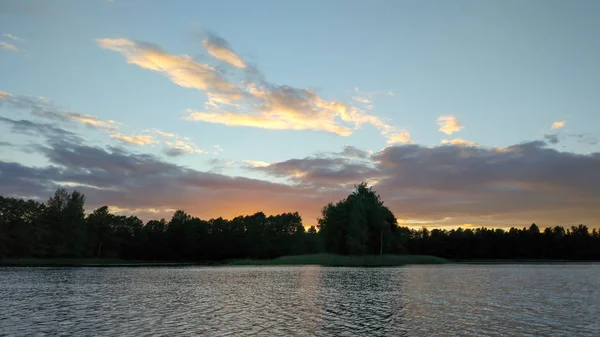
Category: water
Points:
column 451, row 300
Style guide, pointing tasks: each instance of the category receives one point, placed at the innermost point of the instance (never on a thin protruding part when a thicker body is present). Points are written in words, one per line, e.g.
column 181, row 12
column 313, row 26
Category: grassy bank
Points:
column 332, row 260
column 30, row 262
column 521, row 261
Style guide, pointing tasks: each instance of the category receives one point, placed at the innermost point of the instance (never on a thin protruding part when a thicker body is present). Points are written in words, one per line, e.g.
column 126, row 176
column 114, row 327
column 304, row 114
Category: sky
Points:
column 458, row 113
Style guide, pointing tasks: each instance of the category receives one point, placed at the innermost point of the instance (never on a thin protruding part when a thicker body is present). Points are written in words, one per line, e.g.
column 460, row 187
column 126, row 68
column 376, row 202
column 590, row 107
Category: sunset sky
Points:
column 470, row 113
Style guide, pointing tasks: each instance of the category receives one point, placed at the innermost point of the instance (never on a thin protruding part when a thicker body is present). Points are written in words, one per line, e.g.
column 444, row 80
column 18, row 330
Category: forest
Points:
column 360, row 224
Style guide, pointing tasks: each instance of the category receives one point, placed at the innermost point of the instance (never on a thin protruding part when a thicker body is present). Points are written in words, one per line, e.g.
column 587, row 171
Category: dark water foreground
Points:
column 449, row 300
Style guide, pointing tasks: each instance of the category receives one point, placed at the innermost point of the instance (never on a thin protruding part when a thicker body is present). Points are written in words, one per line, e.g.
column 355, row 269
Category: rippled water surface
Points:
column 451, row 300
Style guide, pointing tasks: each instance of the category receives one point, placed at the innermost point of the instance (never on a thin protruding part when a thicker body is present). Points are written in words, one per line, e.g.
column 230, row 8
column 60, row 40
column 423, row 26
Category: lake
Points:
column 448, row 300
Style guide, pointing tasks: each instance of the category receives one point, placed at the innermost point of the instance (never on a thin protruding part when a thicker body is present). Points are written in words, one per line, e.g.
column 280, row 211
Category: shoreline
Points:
column 325, row 260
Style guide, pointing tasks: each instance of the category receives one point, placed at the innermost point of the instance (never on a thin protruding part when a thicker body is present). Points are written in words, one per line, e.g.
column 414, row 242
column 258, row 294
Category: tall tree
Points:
column 358, row 224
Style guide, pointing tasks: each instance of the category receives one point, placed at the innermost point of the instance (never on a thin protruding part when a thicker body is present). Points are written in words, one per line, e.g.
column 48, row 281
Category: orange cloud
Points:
column 254, row 104
column 183, row 146
column 449, row 124
column 257, row 163
column 402, row 137
column 459, row 142
column 92, row 121
column 557, row 125
column 135, row 139
column 181, row 70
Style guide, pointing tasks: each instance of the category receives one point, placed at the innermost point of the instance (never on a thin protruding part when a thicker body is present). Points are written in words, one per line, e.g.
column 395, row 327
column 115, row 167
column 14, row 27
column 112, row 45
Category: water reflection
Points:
column 361, row 302
column 301, row 301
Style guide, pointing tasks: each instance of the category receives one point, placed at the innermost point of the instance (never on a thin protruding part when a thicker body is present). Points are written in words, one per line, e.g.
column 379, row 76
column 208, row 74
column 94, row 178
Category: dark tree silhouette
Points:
column 358, row 224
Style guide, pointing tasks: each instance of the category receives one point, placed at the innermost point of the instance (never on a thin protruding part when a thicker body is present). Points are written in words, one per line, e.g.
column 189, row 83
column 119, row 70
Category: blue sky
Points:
column 127, row 73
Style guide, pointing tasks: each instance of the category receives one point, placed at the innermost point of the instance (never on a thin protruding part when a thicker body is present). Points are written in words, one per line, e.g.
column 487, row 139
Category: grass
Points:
column 332, row 260
column 82, row 262
column 521, row 261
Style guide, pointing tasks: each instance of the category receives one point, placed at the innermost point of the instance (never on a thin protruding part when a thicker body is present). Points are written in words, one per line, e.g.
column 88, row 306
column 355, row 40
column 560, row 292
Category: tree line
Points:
column 358, row 224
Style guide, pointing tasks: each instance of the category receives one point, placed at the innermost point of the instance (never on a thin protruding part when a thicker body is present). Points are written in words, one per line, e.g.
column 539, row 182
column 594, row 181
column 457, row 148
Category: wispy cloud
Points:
column 92, row 121
column 459, row 142
column 162, row 133
column 134, row 139
column 361, row 99
column 257, row 163
column 44, row 108
column 12, row 37
column 9, row 46
column 181, row 70
column 402, row 137
column 49, row 131
column 557, row 125
column 179, row 147
column 449, row 124
column 218, row 48
column 552, row 138
column 253, row 103
column 176, row 145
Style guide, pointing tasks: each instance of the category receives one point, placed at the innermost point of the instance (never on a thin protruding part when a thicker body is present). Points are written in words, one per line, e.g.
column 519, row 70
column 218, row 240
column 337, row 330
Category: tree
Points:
column 358, row 224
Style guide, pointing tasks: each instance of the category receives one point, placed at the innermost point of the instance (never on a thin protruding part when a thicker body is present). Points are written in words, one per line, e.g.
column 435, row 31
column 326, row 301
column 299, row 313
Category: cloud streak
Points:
column 459, row 142
column 134, row 139
column 557, row 125
column 42, row 107
column 12, row 37
column 181, row 70
column 218, row 48
column 9, row 46
column 449, row 124
column 253, row 102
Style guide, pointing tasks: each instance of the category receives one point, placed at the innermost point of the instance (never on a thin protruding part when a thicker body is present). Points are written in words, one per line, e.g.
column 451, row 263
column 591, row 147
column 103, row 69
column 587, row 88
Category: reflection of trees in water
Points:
column 360, row 302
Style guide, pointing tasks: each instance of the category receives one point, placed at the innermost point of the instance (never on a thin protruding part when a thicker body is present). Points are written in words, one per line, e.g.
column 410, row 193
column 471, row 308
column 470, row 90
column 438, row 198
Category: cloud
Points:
column 584, row 138
column 135, row 139
column 551, row 138
column 402, row 137
column 321, row 171
column 253, row 103
column 219, row 48
column 9, row 46
column 181, row 70
column 444, row 185
column 162, row 133
column 134, row 181
column 361, row 99
column 92, row 121
column 449, row 124
column 12, row 37
column 218, row 165
column 42, row 107
column 453, row 184
column 353, row 152
column 557, row 125
column 459, row 142
column 180, row 147
column 175, row 145
column 48, row 131
column 257, row 163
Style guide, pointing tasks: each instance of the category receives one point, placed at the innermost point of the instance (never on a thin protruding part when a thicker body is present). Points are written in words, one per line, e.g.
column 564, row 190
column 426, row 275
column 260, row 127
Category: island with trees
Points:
column 358, row 230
